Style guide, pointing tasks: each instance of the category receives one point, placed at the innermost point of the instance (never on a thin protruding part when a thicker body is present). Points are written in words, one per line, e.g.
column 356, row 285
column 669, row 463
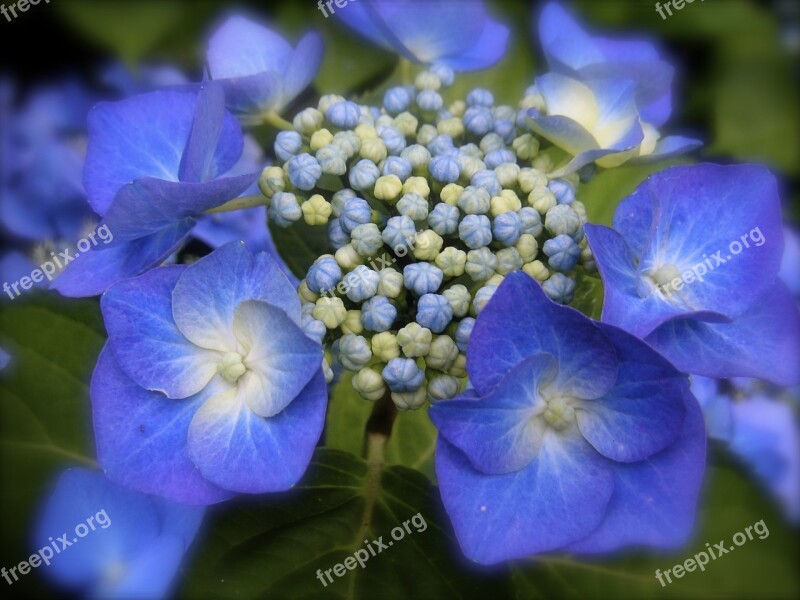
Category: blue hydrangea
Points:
column 488, row 180
column 304, row 171
column 475, row 231
column 562, row 252
column 498, row 157
column 480, row 97
column 478, row 120
column 287, row 145
column 429, row 100
column 399, row 233
column 394, row 140
column 443, row 219
column 397, row 100
column 362, row 283
column 403, row 375
column 507, row 227
column 463, row 332
column 363, row 175
column 560, row 288
column 378, row 314
column 344, row 115
column 353, row 352
column 323, row 275
column 422, row 278
column 284, row 209
column 355, row 212
column 434, row 312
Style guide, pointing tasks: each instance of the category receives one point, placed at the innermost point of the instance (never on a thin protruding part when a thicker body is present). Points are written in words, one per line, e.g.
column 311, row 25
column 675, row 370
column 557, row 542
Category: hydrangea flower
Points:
column 132, row 548
column 154, row 163
column 760, row 428
column 576, row 436
column 458, row 35
column 208, row 385
column 260, row 71
column 691, row 267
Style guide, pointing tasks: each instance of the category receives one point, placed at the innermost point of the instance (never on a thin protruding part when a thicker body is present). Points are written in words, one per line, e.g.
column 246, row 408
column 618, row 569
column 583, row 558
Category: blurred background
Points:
column 738, row 89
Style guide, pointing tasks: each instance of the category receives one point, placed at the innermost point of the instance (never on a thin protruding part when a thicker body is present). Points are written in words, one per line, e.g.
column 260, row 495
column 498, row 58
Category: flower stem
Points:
column 405, row 71
column 277, row 121
column 239, row 204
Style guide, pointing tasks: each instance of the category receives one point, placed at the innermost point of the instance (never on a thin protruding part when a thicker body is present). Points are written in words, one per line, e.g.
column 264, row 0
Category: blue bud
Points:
column 304, row 171
column 463, row 332
column 443, row 219
column 434, row 312
column 444, row 73
column 413, row 206
column 284, row 209
column 478, row 120
column 344, row 115
column 313, row 328
column 355, row 212
column 399, row 233
column 560, row 288
column 287, row 144
column 443, row 387
column 338, row 200
column 498, row 157
column 430, row 100
column 417, row 154
column 347, row 141
column 362, row 283
column 366, row 239
column 505, row 129
column 531, row 221
column 487, row 180
column 397, row 100
column 474, row 200
column 394, row 140
column 363, row 175
column 323, row 275
column 422, row 278
column 378, row 314
column 337, row 236
column 475, row 231
column 403, row 375
column 562, row 190
column 441, row 144
column 332, row 160
column 563, row 252
column 504, row 112
column 507, row 228
column 480, row 97
column 394, row 165
column 481, row 264
column 445, row 169
column 353, row 352
column 482, row 297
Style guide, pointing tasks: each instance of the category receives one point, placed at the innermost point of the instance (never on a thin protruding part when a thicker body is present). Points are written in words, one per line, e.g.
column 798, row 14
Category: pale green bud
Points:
column 385, row 346
column 442, row 354
column 427, row 81
column 388, row 187
column 327, row 100
column 534, row 100
column 427, row 245
column 459, row 368
column 366, row 132
column 443, row 387
column 537, row 270
column 406, row 123
column 542, row 199
column 526, row 146
column 316, row 210
column 320, row 139
column 458, row 108
column 530, row 179
column 454, row 127
column 373, row 148
column 417, row 185
column 272, row 181
column 507, row 201
column 469, row 166
column 348, row 258
column 308, row 121
column 409, row 400
column 352, row 322
column 507, row 174
column 415, row 340
column 452, row 261
column 495, row 279
column 450, row 193
column 390, row 284
column 369, row 384
column 508, row 260
column 459, row 298
column 305, row 293
column 330, row 311
column 426, row 134
column 528, row 247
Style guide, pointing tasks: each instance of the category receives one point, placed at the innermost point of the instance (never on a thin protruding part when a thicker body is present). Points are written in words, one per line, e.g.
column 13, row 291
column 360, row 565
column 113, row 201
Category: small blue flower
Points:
column 134, row 548
column 463, row 333
column 444, row 73
column 445, row 169
column 206, row 379
column 461, row 37
column 507, row 227
column 434, row 312
column 413, row 206
column 430, row 100
column 441, row 144
column 363, row 175
column 394, row 140
column 422, row 278
column 355, row 212
column 5, row 358
column 475, row 231
column 288, row 144
column 506, row 129
column 399, row 234
column 480, row 97
column 323, row 275
column 560, row 288
column 562, row 190
column 403, row 375
column 304, row 171
column 563, row 220
column 576, row 437
column 337, row 236
column 394, row 165
column 562, row 252
column 397, row 100
column 284, row 209
column 698, row 278
column 313, row 328
column 344, row 115
column 478, row 120
column 443, row 219
column 488, row 180
column 362, row 283
column 474, row 200
column 259, row 69
column 353, row 352
column 378, row 314
column 531, row 221
column 498, row 157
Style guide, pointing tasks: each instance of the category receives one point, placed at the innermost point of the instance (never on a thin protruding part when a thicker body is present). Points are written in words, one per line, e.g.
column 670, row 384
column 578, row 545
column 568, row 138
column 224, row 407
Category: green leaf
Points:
column 589, row 295
column 413, row 441
column 300, row 245
column 347, row 418
column 759, row 568
column 276, row 547
column 45, row 420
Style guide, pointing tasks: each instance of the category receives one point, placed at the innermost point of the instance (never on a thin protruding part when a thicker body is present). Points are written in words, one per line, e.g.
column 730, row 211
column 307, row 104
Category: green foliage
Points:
column 300, row 245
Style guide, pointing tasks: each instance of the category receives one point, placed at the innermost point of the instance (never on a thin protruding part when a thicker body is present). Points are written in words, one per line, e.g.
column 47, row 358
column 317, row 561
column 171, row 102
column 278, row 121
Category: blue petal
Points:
column 669, row 147
column 654, row 501
column 500, row 432
column 643, row 412
column 142, row 437
column 78, row 494
column 566, row 45
column 252, row 94
column 556, row 500
column 280, row 357
column 303, row 67
column 205, row 298
column 520, row 321
column 484, row 52
column 100, row 268
column 146, row 341
column 762, row 342
column 238, row 450
column 241, row 47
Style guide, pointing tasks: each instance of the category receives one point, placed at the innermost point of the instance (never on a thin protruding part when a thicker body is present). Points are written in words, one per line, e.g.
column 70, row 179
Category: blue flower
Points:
column 576, row 436
column 344, row 114
column 563, row 253
column 397, row 100
column 378, row 314
column 207, row 386
column 304, row 171
column 324, row 274
column 422, row 278
column 259, row 69
column 403, row 375
column 691, row 267
column 133, row 544
column 153, row 165
column 460, row 35
column 5, row 358
column 434, row 312
column 288, row 144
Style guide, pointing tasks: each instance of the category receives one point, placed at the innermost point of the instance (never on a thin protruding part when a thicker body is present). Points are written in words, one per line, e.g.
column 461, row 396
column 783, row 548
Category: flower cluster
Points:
column 427, row 209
